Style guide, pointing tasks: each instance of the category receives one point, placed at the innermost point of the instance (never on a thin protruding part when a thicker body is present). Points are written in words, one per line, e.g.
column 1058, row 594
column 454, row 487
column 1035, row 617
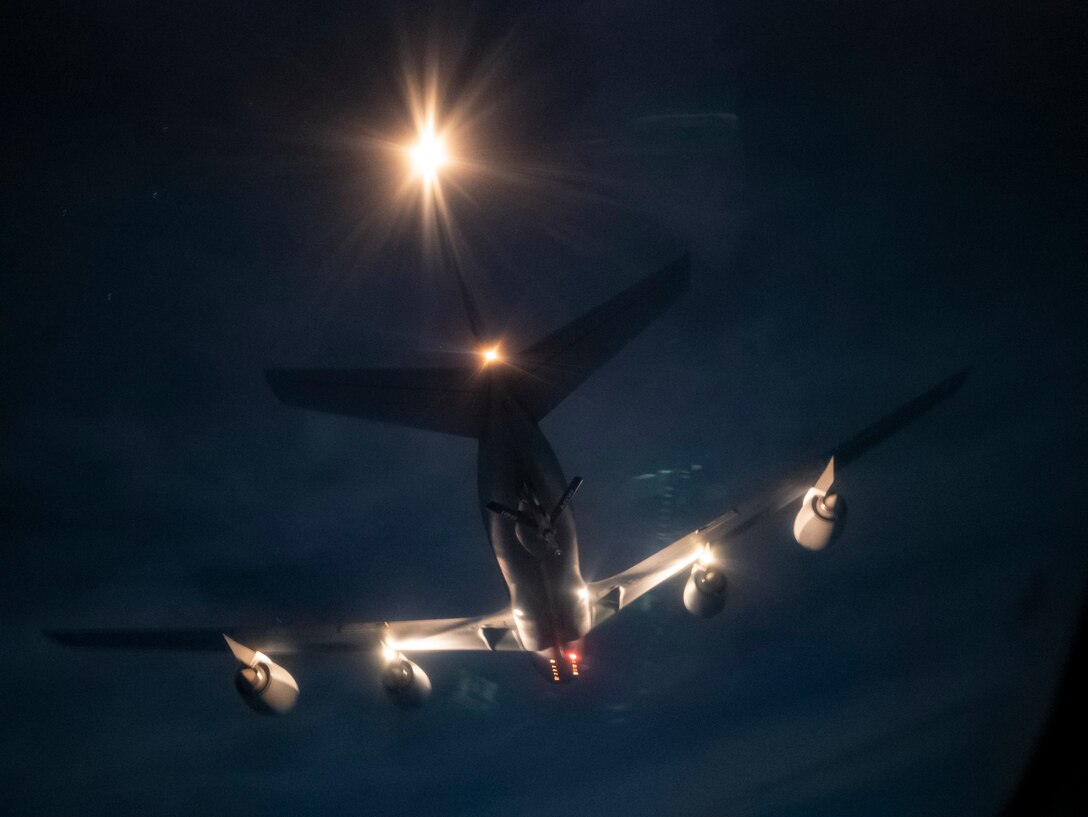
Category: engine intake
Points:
column 704, row 593
column 406, row 684
column 264, row 685
column 823, row 514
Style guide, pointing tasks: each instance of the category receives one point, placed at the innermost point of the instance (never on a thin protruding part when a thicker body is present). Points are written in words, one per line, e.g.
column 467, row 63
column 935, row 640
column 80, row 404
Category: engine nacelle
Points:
column 266, row 687
column 704, row 593
column 406, row 684
column 823, row 514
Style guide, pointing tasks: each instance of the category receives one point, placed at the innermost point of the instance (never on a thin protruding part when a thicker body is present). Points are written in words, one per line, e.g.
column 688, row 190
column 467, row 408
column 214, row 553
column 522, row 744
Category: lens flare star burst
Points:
column 428, row 155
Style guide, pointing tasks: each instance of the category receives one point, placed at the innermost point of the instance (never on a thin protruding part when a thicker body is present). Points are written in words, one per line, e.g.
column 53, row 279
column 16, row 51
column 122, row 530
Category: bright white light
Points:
column 428, row 155
column 706, row 557
column 388, row 653
column 583, row 593
column 492, row 355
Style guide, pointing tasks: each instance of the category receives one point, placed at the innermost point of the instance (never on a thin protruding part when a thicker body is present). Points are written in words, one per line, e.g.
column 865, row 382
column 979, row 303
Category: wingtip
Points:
column 953, row 383
column 279, row 383
column 680, row 268
column 673, row 278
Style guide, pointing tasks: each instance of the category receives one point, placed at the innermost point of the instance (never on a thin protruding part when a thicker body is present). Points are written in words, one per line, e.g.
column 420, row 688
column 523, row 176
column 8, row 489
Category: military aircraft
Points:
column 525, row 501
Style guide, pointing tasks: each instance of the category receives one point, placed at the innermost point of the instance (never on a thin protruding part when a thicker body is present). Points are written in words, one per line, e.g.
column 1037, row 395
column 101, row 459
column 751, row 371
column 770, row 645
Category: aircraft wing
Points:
column 791, row 488
column 492, row 633
column 616, row 592
column 613, row 594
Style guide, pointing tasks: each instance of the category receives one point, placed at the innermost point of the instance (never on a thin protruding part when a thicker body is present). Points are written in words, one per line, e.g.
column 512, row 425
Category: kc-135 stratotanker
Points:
column 525, row 501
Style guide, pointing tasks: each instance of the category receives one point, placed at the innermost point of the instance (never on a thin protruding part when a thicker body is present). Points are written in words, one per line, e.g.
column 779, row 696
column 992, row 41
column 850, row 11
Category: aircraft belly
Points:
column 514, row 457
column 548, row 609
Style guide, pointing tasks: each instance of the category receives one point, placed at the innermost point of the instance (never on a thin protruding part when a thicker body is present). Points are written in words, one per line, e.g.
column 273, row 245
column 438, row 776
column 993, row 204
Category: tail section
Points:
column 452, row 400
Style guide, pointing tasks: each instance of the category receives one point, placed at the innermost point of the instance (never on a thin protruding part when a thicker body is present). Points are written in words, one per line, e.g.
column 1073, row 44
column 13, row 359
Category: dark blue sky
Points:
column 872, row 200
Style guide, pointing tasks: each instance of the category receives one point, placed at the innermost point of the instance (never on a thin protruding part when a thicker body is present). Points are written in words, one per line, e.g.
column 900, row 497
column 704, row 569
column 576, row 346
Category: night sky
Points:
column 872, row 199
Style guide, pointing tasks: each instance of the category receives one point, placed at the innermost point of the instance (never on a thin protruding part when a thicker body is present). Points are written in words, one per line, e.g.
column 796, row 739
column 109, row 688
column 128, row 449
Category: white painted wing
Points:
column 616, row 592
column 491, row 633
column 613, row 594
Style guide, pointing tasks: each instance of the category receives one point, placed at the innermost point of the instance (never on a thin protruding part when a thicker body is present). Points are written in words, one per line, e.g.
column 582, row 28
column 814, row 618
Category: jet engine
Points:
column 704, row 593
column 406, row 684
column 823, row 514
column 264, row 685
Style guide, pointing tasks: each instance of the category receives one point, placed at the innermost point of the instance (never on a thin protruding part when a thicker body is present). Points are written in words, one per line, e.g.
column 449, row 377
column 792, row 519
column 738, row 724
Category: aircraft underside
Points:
column 525, row 503
column 524, row 500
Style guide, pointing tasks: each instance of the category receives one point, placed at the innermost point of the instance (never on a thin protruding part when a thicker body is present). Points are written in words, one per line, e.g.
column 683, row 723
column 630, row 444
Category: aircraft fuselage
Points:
column 517, row 468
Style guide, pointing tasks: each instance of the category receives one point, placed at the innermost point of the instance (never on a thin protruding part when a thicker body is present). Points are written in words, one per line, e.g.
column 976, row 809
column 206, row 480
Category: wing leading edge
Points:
column 616, row 592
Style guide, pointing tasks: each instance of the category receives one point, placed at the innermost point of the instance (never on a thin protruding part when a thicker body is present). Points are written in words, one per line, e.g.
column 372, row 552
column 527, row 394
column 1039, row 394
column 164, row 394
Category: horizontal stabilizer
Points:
column 446, row 400
column 559, row 363
column 452, row 401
